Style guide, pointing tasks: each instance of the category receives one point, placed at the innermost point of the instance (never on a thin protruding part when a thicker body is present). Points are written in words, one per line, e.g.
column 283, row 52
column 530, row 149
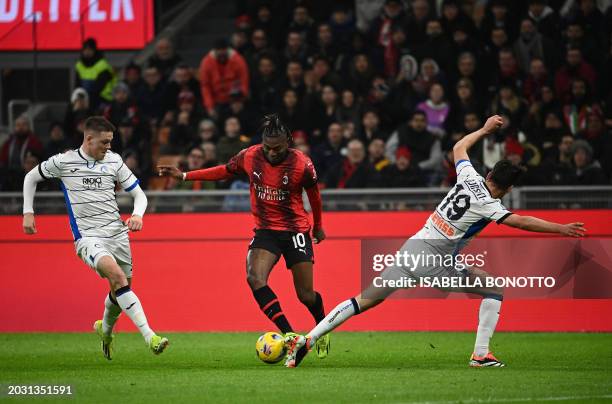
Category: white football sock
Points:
column 111, row 314
column 334, row 318
column 487, row 320
column 131, row 306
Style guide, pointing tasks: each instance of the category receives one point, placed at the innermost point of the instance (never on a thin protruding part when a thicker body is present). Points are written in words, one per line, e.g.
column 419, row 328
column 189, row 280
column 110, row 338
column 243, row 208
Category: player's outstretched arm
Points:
column 462, row 146
column 208, row 174
column 534, row 224
column 314, row 197
column 29, row 190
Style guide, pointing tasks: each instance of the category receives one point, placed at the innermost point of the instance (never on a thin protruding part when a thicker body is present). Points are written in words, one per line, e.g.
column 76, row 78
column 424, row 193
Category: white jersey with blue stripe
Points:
column 464, row 212
column 89, row 191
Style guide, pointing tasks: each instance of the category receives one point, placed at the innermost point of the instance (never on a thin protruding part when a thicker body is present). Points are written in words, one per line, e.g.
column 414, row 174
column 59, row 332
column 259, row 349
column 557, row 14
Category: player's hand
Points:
column 573, row 229
column 29, row 226
column 134, row 223
column 318, row 235
column 170, row 171
column 493, row 123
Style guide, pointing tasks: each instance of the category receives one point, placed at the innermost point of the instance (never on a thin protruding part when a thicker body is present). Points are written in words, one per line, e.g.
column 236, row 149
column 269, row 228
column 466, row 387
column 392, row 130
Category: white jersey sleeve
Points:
column 465, row 170
column 52, row 167
column 126, row 179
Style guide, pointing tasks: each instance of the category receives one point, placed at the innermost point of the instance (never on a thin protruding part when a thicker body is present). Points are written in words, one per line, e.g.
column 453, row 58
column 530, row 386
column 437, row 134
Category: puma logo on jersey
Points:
column 302, row 250
column 258, row 175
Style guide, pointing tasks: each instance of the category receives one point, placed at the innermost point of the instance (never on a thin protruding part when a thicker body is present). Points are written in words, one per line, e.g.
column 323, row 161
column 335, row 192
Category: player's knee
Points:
column 306, row 296
column 116, row 277
column 255, row 281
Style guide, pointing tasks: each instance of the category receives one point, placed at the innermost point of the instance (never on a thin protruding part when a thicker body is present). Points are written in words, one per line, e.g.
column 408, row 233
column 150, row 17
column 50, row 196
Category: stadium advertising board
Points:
column 64, row 24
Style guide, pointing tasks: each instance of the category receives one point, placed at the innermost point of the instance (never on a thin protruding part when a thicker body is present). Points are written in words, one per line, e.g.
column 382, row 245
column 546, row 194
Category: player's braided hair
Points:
column 272, row 126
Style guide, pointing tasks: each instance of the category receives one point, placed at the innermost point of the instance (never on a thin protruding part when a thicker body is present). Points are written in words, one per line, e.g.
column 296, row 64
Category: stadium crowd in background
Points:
column 376, row 92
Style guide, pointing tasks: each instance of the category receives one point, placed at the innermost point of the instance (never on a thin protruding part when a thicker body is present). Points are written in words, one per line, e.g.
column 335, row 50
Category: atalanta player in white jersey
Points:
column 468, row 207
column 88, row 177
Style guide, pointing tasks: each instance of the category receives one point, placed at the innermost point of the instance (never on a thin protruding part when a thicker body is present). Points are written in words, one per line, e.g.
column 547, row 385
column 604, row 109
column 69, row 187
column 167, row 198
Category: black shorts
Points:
column 294, row 247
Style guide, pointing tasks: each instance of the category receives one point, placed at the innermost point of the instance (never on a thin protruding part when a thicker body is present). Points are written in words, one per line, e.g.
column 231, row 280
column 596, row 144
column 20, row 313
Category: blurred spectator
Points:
column 436, row 110
column 326, row 112
column 391, row 14
column 150, row 97
column 122, row 106
column 360, row 75
column 19, row 143
column 370, row 129
column 210, row 154
column 265, row 85
column 291, row 112
column 263, row 20
column 508, row 73
column 13, row 181
column 586, row 170
column 425, row 147
column 547, row 22
column 132, row 160
column 223, row 72
column 295, row 49
column 376, row 154
column 580, row 106
column 531, row 44
column 417, row 22
column 294, row 78
column 536, row 79
column 183, row 133
column 403, row 173
column 300, row 142
column 164, row 59
column 507, row 102
column 207, row 132
column 232, row 141
column 258, row 48
column 240, row 42
column 436, row 46
column 464, row 102
column 132, row 76
column 302, row 24
column 342, row 26
column 328, row 154
column 574, row 68
column 354, row 171
column 575, row 37
column 182, row 80
column 57, row 141
column 429, row 73
column 95, row 74
column 349, row 109
column 498, row 16
column 76, row 113
column 325, row 45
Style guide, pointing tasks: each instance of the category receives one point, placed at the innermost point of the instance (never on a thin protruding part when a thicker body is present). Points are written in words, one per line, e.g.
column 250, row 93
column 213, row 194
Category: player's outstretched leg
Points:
column 130, row 304
column 298, row 347
column 104, row 327
column 487, row 321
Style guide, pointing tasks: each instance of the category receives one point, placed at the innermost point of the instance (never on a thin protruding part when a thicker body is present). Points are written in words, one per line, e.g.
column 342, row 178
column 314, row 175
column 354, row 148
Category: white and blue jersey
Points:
column 89, row 191
column 465, row 211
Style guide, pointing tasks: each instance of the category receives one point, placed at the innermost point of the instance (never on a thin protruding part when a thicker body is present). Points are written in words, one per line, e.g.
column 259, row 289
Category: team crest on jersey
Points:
column 285, row 179
column 104, row 169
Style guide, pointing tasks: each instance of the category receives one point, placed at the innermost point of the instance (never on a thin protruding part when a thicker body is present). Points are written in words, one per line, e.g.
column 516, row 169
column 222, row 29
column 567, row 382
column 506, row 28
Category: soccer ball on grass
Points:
column 270, row 347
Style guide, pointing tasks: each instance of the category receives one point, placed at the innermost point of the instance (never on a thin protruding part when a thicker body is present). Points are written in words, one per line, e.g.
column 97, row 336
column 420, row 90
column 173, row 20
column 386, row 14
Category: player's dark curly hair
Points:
column 272, row 126
column 505, row 174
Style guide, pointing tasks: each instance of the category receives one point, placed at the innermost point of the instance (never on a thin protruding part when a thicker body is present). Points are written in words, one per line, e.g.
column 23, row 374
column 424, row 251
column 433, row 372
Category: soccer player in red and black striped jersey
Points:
column 278, row 174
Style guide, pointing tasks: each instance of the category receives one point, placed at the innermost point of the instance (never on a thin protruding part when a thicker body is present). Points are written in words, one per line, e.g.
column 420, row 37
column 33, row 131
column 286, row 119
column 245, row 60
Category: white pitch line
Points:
column 514, row 400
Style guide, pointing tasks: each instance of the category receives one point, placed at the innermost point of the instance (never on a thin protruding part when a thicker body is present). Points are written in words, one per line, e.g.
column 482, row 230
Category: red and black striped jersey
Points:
column 276, row 190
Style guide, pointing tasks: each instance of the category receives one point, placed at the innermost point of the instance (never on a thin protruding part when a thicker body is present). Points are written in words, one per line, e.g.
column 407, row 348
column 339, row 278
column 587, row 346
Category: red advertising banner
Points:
column 64, row 24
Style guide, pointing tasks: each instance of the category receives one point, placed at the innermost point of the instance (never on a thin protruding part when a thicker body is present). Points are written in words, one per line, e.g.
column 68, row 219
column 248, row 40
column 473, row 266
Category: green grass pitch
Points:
column 362, row 367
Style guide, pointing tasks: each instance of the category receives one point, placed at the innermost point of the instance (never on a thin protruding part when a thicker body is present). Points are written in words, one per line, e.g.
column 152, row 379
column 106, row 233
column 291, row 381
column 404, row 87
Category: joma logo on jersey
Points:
column 92, row 182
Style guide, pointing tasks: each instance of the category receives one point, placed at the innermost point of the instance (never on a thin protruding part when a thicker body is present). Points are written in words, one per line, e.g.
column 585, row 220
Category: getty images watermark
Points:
column 456, row 274
column 524, row 268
